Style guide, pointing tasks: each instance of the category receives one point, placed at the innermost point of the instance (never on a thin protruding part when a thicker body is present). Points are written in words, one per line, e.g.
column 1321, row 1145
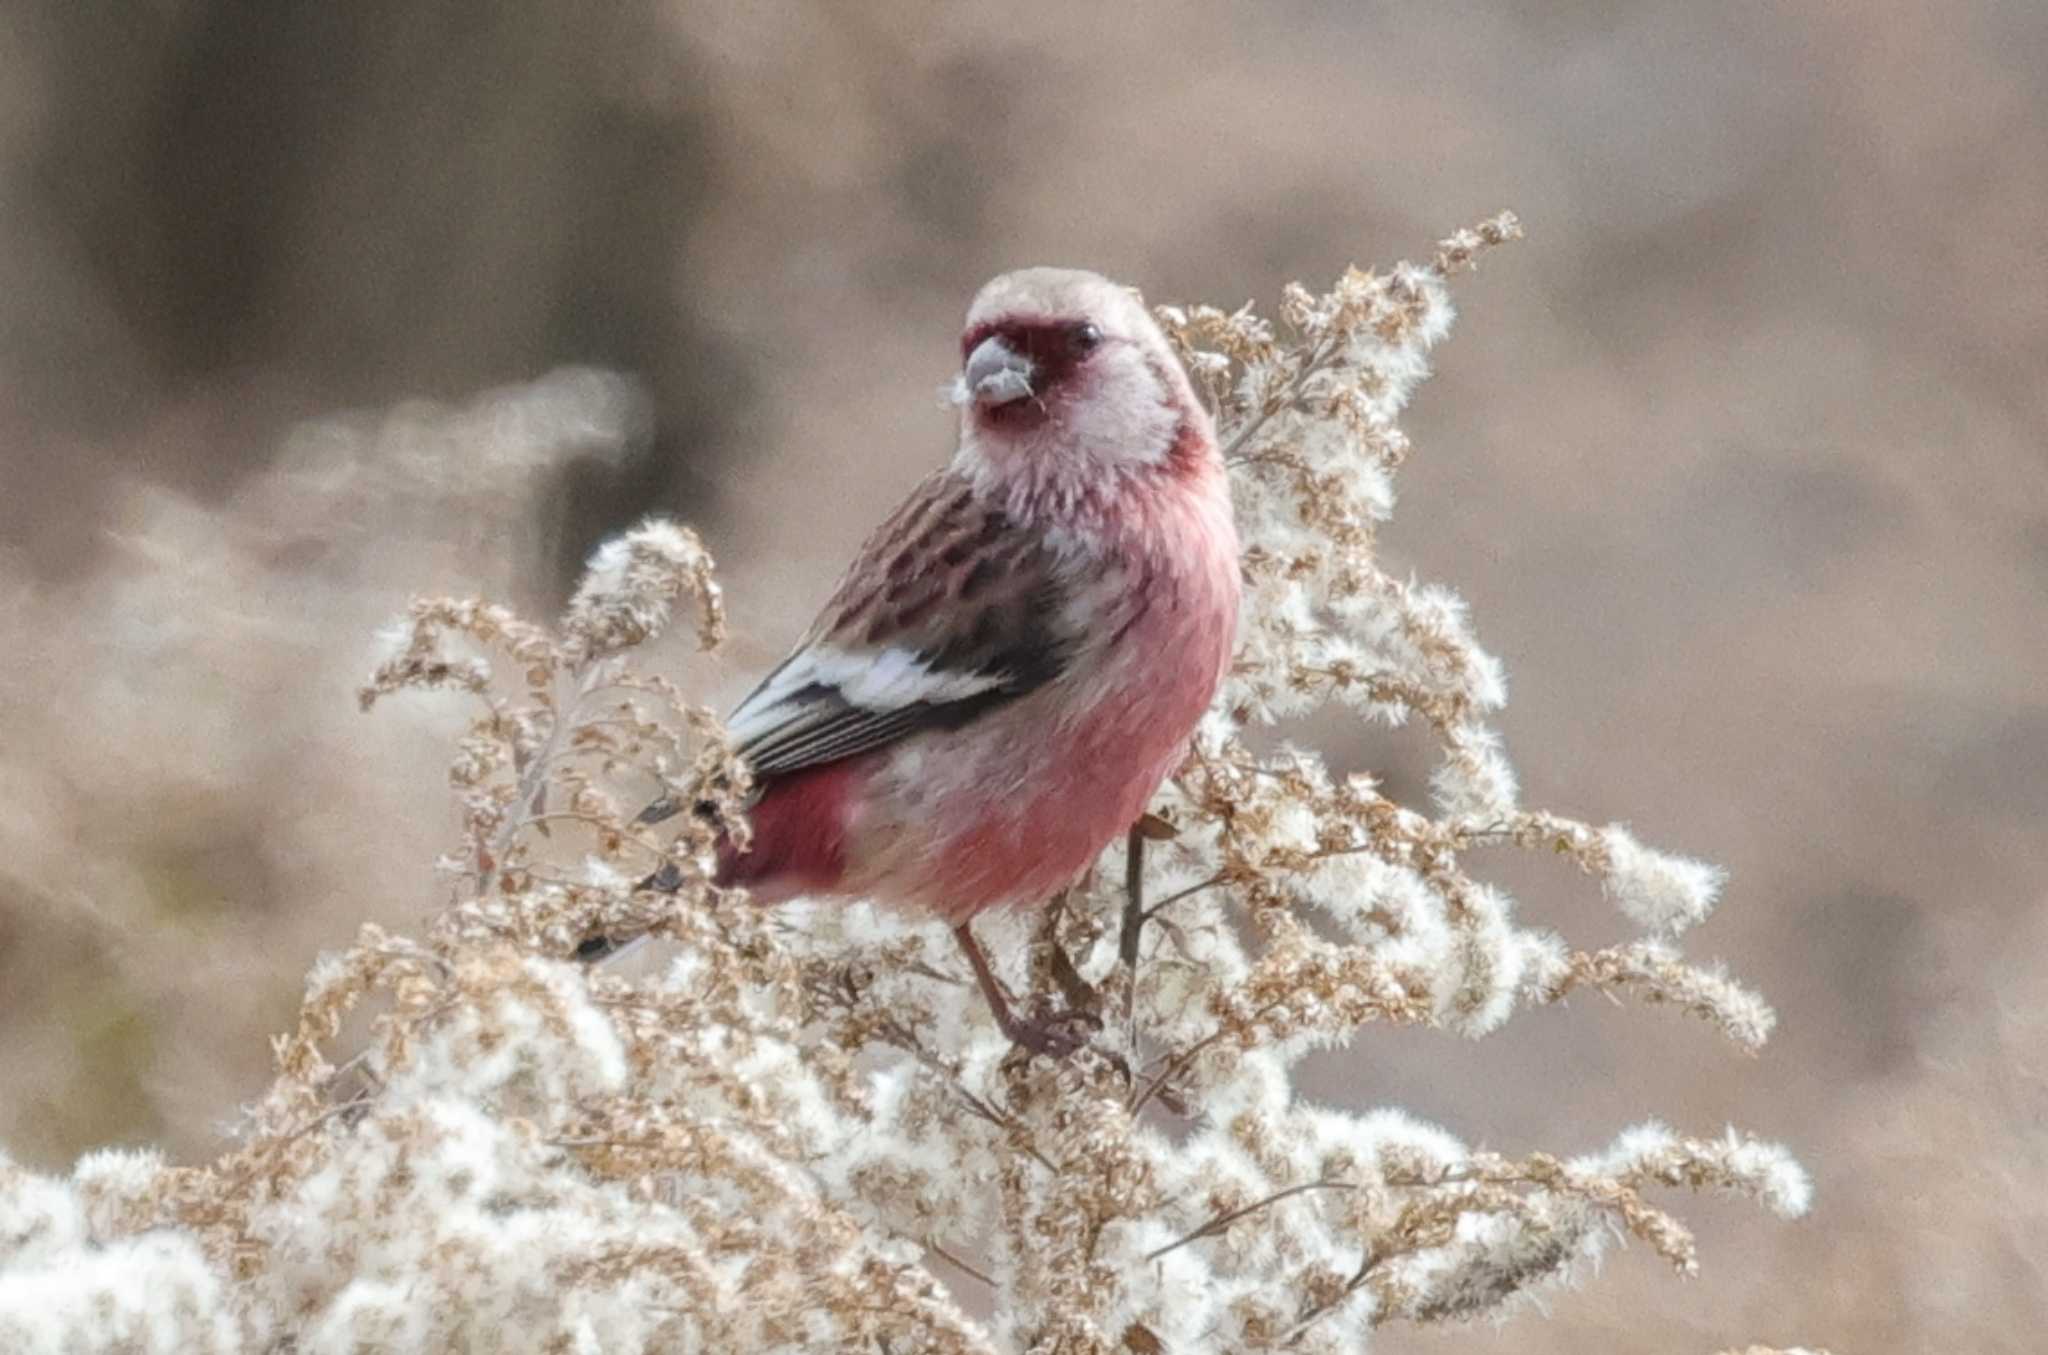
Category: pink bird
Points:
column 1017, row 657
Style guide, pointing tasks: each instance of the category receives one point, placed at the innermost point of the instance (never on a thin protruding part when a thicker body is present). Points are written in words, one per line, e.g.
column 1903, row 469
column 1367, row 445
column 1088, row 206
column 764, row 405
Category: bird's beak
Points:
column 995, row 374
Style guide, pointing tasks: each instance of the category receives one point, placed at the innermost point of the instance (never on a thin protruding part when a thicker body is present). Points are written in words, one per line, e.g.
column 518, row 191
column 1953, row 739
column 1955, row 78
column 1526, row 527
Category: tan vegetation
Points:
column 800, row 1130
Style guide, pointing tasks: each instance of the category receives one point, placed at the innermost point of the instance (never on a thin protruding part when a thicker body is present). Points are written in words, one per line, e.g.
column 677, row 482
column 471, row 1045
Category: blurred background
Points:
column 1741, row 458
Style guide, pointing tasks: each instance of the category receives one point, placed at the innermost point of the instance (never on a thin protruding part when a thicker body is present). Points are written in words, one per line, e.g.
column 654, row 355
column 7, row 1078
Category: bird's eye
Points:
column 1084, row 337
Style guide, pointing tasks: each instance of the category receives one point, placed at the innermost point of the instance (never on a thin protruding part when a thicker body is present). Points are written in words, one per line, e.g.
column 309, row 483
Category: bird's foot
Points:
column 1054, row 1034
column 1059, row 1035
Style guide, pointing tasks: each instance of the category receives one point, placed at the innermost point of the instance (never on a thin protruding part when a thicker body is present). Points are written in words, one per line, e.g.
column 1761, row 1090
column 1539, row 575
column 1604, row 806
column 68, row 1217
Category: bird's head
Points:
column 1063, row 372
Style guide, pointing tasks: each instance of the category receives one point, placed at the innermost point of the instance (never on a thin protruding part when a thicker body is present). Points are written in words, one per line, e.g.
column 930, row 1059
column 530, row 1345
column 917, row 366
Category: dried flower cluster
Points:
column 799, row 1129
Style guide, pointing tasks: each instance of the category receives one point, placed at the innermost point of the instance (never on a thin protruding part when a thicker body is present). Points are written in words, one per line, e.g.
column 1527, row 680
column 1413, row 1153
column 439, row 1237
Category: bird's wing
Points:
column 949, row 611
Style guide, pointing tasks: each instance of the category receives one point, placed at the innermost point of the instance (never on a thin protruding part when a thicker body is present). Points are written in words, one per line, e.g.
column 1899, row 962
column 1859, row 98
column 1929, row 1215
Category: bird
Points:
column 1018, row 656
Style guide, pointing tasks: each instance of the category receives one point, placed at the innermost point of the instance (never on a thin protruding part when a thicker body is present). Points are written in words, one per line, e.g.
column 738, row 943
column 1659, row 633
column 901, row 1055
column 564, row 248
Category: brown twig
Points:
column 936, row 1250
column 1222, row 1221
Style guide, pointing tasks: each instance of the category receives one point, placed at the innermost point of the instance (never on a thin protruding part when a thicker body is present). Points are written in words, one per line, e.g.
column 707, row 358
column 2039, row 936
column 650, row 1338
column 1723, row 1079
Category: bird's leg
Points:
column 1053, row 1036
column 1059, row 966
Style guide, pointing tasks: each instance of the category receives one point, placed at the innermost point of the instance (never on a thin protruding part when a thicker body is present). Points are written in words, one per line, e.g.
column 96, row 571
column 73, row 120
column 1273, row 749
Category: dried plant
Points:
column 799, row 1128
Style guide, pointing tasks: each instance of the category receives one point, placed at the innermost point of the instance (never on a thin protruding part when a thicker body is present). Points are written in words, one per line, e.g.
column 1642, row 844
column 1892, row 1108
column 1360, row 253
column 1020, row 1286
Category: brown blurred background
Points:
column 1742, row 459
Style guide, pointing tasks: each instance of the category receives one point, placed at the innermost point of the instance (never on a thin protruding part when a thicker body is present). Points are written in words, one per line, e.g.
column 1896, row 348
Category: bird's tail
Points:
column 604, row 948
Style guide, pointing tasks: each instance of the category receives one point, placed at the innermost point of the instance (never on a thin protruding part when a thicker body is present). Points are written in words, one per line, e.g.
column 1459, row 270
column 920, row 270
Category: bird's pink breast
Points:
column 1097, row 778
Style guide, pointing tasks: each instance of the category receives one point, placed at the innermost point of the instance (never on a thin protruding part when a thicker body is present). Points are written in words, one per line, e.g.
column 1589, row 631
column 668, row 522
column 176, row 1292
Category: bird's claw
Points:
column 1059, row 1035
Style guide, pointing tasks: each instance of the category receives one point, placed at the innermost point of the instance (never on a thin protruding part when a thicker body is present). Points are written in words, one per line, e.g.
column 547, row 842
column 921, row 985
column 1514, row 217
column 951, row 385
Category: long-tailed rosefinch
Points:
column 1018, row 655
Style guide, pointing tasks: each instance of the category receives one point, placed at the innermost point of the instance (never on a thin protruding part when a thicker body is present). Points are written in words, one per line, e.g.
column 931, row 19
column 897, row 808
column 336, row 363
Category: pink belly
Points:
column 1027, row 858
column 1013, row 808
